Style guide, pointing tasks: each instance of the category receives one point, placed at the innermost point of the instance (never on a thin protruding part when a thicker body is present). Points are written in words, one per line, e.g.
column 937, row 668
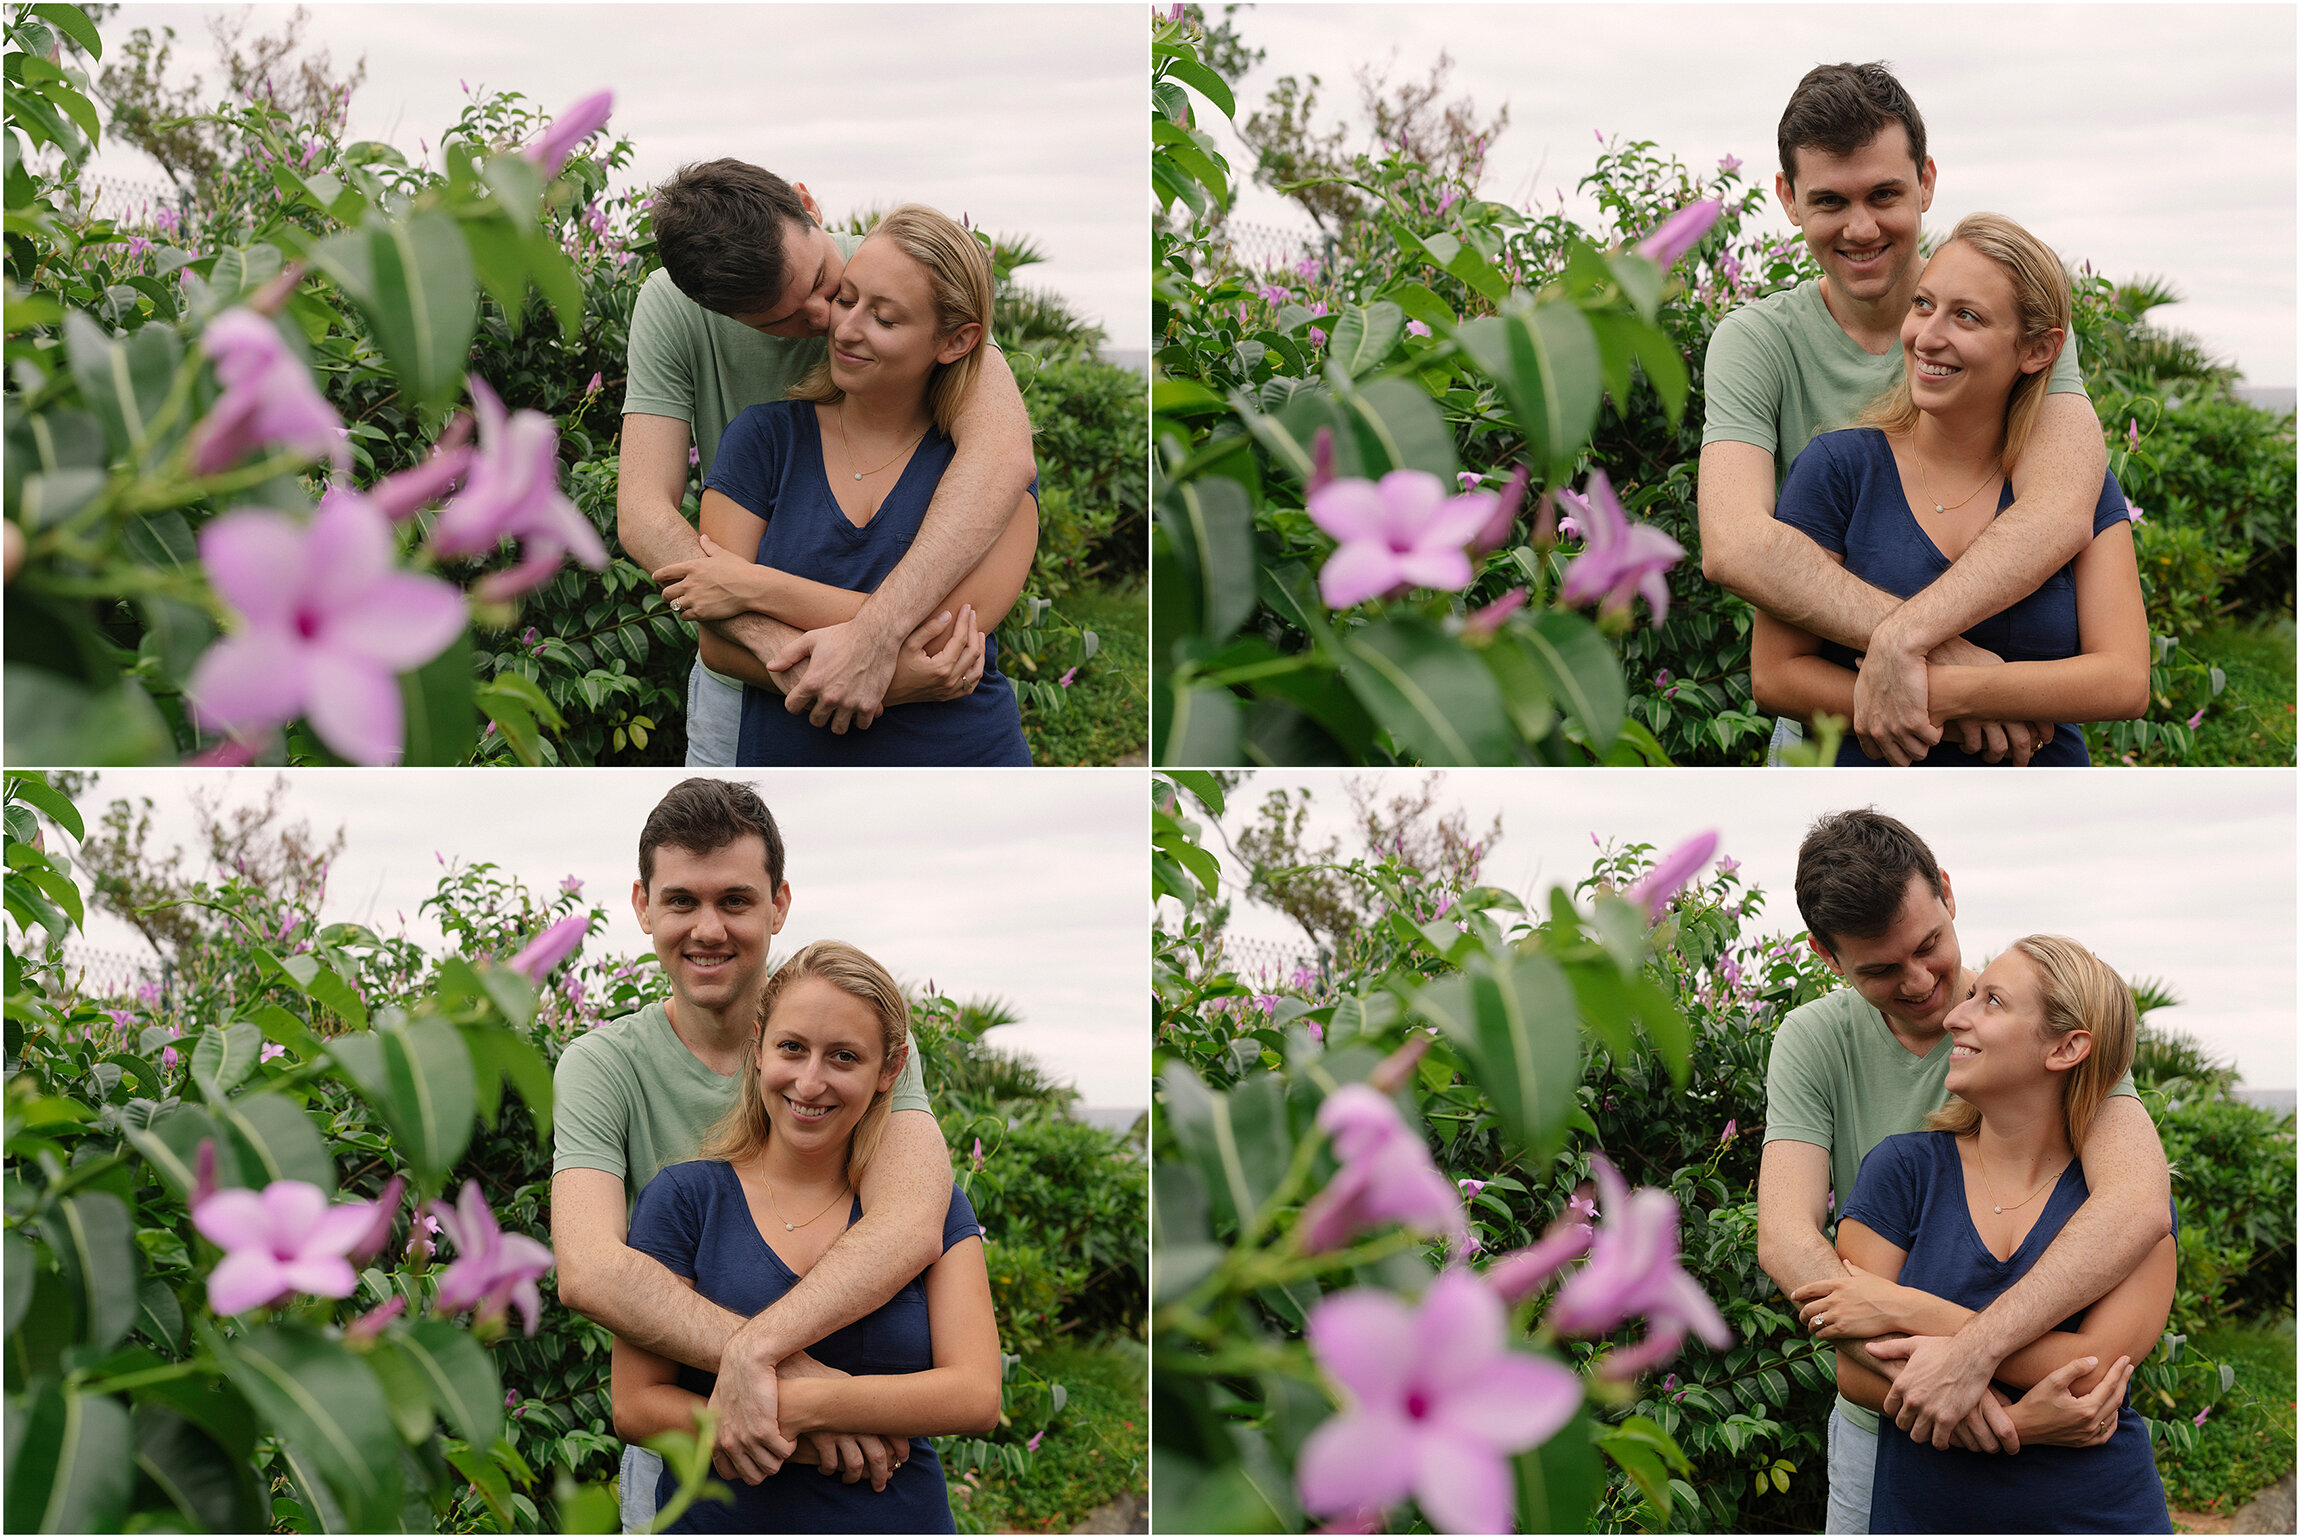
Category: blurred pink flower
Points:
column 1620, row 558
column 2196, row 720
column 1680, row 233
column 1387, row 1175
column 1403, row 531
column 1035, row 1438
column 272, row 1050
column 2132, row 511
column 598, row 383
column 2200, row 1415
column 1069, row 676
column 568, row 131
column 492, row 1269
column 1732, row 1127
column 1490, row 618
column 370, row 1324
column 513, row 493
column 1271, row 293
column 1495, row 531
column 1521, row 1273
column 1633, row 1272
column 1416, row 328
column 268, row 398
column 1678, row 866
column 542, row 955
column 285, row 1240
column 2132, row 433
column 1730, row 163
column 1434, row 1404
column 1317, row 336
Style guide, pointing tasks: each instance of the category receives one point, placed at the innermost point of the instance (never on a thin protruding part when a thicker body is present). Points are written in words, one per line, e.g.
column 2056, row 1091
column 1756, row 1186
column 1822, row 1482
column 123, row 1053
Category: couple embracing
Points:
column 869, row 509
column 750, row 1190
column 2004, row 1251
column 1901, row 471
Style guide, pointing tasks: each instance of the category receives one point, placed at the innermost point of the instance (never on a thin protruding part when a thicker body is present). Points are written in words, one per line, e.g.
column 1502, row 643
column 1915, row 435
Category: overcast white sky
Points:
column 1028, row 118
column 2184, row 875
column 2152, row 139
column 1030, row 887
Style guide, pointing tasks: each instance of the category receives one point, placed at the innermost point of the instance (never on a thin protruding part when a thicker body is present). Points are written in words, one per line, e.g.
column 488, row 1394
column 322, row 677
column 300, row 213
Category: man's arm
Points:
column 849, row 665
column 1792, row 1204
column 650, row 479
column 1748, row 551
column 2055, row 488
column 2120, row 1223
column 632, row 1294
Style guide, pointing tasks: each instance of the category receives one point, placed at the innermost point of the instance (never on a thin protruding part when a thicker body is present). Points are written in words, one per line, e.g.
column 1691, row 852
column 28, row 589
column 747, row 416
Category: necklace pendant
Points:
column 1938, row 508
column 858, row 475
column 792, row 1229
column 1999, row 1211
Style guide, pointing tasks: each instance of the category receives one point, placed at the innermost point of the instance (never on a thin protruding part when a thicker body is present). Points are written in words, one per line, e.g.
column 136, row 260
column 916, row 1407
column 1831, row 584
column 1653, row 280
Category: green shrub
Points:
column 2232, row 1174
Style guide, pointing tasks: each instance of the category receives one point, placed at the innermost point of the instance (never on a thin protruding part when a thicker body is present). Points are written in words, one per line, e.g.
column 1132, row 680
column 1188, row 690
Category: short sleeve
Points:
column 2112, row 508
column 1740, row 393
column 960, row 1224
column 659, row 362
column 1888, row 1194
column 1820, row 493
column 2123, row 1086
column 667, row 1222
column 2067, row 377
column 590, row 1120
column 910, row 1087
column 1797, row 1104
column 749, row 467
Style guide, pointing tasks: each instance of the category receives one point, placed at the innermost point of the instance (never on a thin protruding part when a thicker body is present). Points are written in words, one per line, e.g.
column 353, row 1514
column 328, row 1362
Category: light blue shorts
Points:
column 714, row 721
column 1852, row 1473
column 641, row 1469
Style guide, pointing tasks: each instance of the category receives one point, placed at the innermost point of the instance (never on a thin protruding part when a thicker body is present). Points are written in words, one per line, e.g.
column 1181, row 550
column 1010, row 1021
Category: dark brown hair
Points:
column 1853, row 871
column 719, row 230
column 701, row 816
column 1839, row 108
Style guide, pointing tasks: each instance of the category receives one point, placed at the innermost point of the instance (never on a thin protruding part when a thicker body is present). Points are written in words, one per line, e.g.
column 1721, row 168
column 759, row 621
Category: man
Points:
column 1856, row 180
column 735, row 317
column 639, row 1093
column 1872, row 1060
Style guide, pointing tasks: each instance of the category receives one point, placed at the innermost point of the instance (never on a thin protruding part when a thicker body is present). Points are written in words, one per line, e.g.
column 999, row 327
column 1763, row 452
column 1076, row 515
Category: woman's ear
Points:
column 2043, row 352
column 894, row 1065
column 2068, row 1050
column 959, row 343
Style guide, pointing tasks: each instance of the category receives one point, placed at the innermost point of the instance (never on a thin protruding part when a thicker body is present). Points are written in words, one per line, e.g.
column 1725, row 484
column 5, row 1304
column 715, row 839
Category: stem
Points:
column 140, row 1379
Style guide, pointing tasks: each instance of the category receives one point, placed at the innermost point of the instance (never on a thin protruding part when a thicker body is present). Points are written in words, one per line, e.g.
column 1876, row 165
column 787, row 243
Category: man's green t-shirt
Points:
column 1780, row 371
column 629, row 1098
column 1839, row 1078
column 705, row 368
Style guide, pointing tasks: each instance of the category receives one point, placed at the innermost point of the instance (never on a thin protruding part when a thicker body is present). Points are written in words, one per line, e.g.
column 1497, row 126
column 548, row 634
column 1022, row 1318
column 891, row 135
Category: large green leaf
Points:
column 16, row 1287
column 323, row 1402
column 459, row 1377
column 1211, row 524
column 1208, row 1132
column 170, row 1144
column 1196, row 726
column 1547, row 364
column 1579, row 671
column 1364, row 336
column 1517, row 1023
column 1182, row 1252
column 1561, row 1482
column 71, row 1465
column 225, row 1055
column 54, row 803
column 215, row 1491
column 123, row 380
column 419, row 1079
column 276, row 1139
column 413, row 282
column 442, row 720
column 497, row 1058
column 1439, row 701
column 96, row 1238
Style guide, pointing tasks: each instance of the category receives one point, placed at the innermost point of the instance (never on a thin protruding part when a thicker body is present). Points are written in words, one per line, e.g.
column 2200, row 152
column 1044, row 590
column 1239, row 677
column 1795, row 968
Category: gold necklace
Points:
column 1927, row 486
column 788, row 1226
column 1995, row 1205
column 905, row 449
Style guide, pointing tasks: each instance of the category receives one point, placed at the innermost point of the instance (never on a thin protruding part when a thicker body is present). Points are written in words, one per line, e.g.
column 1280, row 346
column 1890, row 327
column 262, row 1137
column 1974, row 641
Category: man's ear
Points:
column 1948, row 895
column 959, row 343
column 1788, row 196
column 639, row 906
column 807, row 201
column 781, row 907
column 1822, row 951
column 1925, row 180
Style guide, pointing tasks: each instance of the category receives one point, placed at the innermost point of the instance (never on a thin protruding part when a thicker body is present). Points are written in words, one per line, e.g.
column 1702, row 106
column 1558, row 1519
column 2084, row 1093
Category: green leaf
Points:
column 459, row 1377
column 224, row 1056
column 503, row 1057
column 1211, row 524
column 489, row 1481
column 16, row 1287
column 1438, row 700
column 1515, row 1022
column 1400, row 418
column 1641, row 281
column 95, row 1238
column 419, row 1079
column 1580, row 672
column 1364, row 336
column 1184, row 397
column 1204, row 81
column 442, row 723
column 74, row 24
column 1199, row 783
column 276, row 1139
column 324, row 1403
column 413, row 282
column 124, row 381
column 1167, row 834
column 35, row 789
column 214, row 1490
column 71, row 1467
column 1561, row 1483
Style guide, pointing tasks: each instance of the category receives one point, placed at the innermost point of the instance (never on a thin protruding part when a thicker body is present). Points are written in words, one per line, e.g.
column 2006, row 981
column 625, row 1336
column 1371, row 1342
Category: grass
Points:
column 2246, row 1443
column 1096, row 1451
column 1105, row 713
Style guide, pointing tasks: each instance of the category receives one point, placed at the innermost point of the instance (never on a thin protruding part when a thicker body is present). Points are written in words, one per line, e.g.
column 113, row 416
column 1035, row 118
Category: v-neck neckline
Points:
column 830, row 488
column 1909, row 509
column 1965, row 1206
column 742, row 1196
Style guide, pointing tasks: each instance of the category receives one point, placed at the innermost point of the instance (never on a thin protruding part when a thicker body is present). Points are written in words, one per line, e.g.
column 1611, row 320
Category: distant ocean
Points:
column 2270, row 1099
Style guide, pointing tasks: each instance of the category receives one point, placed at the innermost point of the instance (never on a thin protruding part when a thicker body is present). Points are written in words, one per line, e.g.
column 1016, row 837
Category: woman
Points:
column 1957, row 1214
column 826, row 490
column 773, row 1188
column 1990, row 316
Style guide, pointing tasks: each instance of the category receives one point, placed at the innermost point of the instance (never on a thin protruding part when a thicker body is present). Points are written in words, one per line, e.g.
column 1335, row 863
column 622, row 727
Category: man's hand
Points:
column 848, row 669
column 1989, row 1429
column 942, row 660
column 835, row 1452
column 715, row 585
column 2058, row 1418
column 1853, row 1306
column 1892, row 711
column 1942, row 1378
column 751, row 1446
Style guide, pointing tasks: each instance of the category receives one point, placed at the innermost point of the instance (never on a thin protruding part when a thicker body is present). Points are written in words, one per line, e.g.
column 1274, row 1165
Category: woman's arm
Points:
column 1790, row 677
column 2106, row 681
column 960, row 1393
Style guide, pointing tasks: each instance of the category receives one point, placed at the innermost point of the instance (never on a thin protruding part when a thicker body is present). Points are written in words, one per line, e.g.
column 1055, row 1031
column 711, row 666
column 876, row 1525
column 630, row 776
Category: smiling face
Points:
column 884, row 336
column 1860, row 213
column 1962, row 336
column 1911, row 971
column 822, row 1058
column 1998, row 1036
column 711, row 916
column 812, row 266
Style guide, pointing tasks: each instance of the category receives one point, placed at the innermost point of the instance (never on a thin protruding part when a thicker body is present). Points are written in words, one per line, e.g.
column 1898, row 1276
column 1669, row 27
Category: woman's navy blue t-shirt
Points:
column 1911, row 1192
column 694, row 1219
column 770, row 463
column 1844, row 492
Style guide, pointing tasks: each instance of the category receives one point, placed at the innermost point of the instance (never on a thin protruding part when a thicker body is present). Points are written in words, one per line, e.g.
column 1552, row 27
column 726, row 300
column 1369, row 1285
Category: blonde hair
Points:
column 2041, row 304
column 958, row 273
column 2080, row 992
column 743, row 1132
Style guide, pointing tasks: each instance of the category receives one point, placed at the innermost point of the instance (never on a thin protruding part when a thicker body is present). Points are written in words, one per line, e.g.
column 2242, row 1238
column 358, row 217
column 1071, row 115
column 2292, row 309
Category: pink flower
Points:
column 268, row 398
column 598, row 383
column 2132, row 511
column 1452, row 196
column 1470, row 1188
column 1620, row 558
column 978, row 1153
column 570, row 886
column 543, row 954
column 2132, row 433
column 1633, row 1271
column 1387, row 1175
column 1731, row 1128
column 1306, row 268
column 514, row 493
column 1271, row 293
column 167, row 1059
column 1069, row 675
column 1729, row 164
column 1434, row 1404
column 285, row 1240
column 1680, row 233
column 2196, row 720
column 1495, row 531
column 1403, row 531
column 2200, row 1415
column 492, row 1269
column 272, row 1050
column 1727, row 866
column 1416, row 328
column 1521, row 1273
column 1490, row 618
column 326, row 625
column 1317, row 336
column 1680, row 865
column 370, row 1324
column 1035, row 1439
column 569, row 130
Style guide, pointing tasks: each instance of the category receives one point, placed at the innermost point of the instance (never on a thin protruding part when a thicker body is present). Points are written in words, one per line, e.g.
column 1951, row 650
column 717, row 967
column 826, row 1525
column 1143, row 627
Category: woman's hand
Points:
column 2050, row 1414
column 942, row 660
column 716, row 585
column 1855, row 1306
column 851, row 1456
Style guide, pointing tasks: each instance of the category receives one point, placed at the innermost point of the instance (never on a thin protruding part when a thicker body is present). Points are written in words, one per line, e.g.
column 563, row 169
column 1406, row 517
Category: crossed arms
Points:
column 848, row 670
column 1778, row 569
column 1941, row 1382
column 905, row 1195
